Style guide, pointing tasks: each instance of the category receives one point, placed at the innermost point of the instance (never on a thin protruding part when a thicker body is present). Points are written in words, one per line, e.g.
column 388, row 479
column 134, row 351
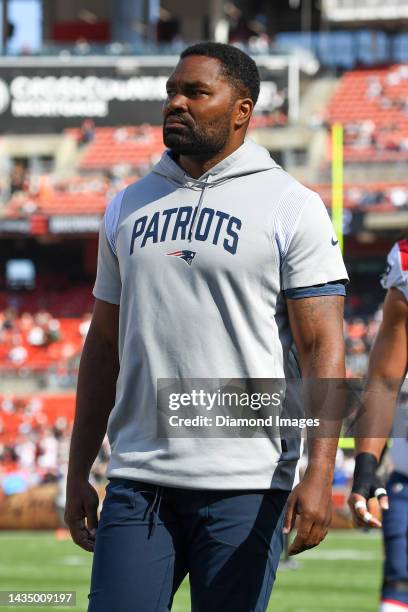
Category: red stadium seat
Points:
column 354, row 102
column 114, row 146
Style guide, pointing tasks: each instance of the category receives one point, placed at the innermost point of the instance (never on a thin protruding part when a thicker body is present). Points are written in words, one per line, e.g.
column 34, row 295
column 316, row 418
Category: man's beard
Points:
column 198, row 141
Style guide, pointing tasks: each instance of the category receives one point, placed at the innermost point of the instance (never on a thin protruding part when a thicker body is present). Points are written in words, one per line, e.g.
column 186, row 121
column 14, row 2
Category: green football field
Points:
column 341, row 575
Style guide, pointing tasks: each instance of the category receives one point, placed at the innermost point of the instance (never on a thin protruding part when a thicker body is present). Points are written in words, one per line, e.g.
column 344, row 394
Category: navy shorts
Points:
column 395, row 531
column 149, row 538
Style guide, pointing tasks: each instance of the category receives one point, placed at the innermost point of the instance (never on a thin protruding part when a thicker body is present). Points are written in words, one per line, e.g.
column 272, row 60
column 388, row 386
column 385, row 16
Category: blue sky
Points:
column 26, row 16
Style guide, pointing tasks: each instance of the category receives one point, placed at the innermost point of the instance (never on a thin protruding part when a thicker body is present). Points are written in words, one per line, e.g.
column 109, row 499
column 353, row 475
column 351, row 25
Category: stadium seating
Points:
column 278, row 118
column 29, row 412
column 28, row 420
column 135, row 146
column 372, row 106
column 75, row 196
column 40, row 358
column 56, row 314
column 138, row 146
column 54, row 295
column 58, row 204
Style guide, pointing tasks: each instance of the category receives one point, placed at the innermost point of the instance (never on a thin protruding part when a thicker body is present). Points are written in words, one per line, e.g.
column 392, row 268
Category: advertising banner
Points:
column 46, row 95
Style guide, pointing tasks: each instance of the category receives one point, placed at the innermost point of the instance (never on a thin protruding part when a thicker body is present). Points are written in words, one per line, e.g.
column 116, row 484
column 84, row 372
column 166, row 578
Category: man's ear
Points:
column 244, row 108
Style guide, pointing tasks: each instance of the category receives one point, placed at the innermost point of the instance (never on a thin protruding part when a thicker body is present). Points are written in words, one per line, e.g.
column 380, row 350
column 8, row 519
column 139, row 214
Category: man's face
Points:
column 198, row 112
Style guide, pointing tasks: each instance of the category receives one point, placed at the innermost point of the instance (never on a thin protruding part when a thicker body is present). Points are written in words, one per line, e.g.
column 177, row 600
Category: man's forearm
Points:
column 324, row 369
column 387, row 370
column 98, row 372
column 375, row 417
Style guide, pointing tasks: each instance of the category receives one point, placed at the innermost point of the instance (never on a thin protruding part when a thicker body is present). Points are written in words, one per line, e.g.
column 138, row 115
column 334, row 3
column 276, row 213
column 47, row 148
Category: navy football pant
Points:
column 149, row 538
column 395, row 532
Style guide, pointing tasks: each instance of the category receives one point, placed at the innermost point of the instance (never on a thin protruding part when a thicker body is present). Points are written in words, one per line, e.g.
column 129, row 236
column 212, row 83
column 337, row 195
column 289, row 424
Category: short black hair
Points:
column 237, row 66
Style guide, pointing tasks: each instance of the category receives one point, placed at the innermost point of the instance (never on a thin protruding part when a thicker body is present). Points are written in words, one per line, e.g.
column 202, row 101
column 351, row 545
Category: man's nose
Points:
column 177, row 102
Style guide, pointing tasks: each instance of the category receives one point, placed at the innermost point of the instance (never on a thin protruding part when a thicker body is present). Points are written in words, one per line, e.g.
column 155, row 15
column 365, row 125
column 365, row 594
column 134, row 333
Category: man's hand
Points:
column 368, row 494
column 81, row 513
column 311, row 500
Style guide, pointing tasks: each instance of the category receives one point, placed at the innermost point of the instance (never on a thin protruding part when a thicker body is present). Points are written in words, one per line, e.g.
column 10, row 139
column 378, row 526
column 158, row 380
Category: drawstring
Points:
column 198, row 208
column 153, row 511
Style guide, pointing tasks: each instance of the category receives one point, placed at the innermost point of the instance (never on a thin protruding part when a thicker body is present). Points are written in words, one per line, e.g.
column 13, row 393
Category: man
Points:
column 212, row 266
column 387, row 369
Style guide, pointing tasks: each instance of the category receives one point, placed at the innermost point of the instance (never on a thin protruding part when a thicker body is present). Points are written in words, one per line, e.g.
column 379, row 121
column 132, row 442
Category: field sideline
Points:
column 341, row 575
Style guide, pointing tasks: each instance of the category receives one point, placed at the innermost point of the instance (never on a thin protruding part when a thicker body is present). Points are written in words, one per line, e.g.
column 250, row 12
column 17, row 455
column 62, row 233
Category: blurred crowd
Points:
column 40, row 329
column 29, row 188
column 361, row 197
column 359, row 335
column 38, row 452
column 388, row 94
column 22, row 335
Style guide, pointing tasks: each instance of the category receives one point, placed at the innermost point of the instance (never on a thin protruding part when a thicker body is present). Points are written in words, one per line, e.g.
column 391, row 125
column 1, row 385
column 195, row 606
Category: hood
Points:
column 249, row 158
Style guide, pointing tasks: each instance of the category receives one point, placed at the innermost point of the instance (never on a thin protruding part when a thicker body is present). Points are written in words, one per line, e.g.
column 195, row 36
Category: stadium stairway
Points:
column 67, row 156
column 315, row 98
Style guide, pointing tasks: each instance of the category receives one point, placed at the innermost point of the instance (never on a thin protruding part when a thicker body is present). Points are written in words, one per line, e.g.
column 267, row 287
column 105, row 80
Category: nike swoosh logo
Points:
column 334, row 242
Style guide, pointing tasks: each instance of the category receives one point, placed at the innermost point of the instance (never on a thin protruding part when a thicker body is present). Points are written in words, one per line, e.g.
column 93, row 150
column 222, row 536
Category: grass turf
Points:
column 341, row 575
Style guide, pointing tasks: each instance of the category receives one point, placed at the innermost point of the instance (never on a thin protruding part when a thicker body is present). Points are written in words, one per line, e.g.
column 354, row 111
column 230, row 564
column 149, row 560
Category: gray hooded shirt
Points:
column 199, row 269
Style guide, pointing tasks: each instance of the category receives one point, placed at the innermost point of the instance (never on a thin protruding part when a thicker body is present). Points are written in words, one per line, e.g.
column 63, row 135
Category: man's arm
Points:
column 98, row 373
column 317, row 329
column 386, row 371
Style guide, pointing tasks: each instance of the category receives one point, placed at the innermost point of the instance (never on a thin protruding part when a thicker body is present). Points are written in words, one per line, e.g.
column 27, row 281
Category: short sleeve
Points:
column 313, row 256
column 108, row 284
column 396, row 273
column 299, row 293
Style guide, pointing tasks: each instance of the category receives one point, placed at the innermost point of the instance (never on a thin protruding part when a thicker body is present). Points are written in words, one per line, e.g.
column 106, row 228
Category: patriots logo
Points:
column 188, row 256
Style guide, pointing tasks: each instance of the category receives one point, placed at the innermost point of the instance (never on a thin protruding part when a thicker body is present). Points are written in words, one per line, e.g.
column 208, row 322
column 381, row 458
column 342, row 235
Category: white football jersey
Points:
column 396, row 274
column 399, row 448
